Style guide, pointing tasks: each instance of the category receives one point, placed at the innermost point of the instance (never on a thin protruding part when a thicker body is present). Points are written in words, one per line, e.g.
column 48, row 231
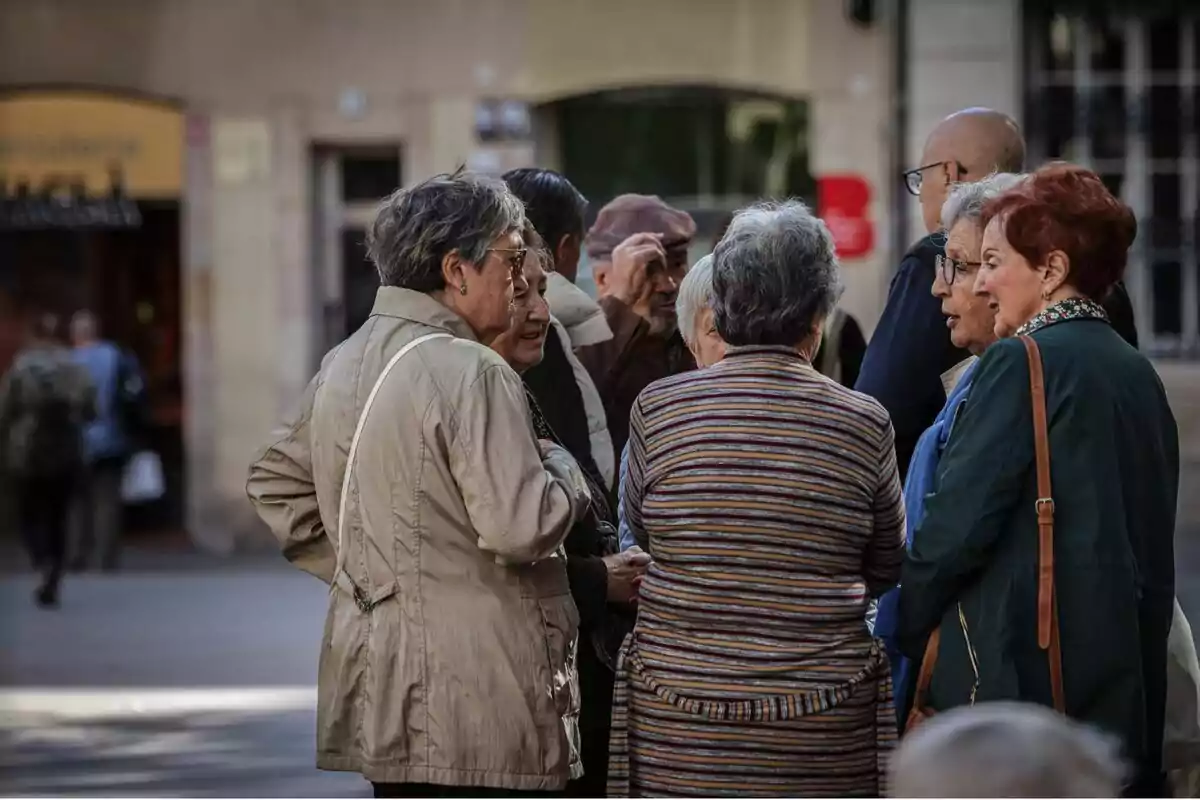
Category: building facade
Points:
column 289, row 120
column 256, row 137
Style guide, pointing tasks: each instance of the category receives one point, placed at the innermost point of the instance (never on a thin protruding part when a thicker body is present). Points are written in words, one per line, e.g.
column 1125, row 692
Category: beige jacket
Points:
column 579, row 314
column 440, row 664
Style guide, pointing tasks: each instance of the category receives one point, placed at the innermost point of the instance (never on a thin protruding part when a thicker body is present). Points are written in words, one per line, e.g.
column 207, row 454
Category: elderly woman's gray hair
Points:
column 1006, row 750
column 695, row 295
column 415, row 228
column 775, row 275
column 966, row 200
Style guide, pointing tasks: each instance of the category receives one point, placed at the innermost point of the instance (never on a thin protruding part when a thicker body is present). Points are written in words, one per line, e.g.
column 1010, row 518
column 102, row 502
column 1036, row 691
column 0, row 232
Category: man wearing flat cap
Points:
column 638, row 248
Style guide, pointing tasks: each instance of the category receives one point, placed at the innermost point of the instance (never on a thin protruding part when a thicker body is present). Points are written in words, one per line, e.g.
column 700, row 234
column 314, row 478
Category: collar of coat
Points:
column 392, row 301
column 1064, row 311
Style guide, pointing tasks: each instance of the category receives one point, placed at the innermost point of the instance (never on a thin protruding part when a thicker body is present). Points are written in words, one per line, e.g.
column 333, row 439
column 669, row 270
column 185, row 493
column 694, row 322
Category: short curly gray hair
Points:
column 1006, row 749
column 966, row 200
column 415, row 228
column 695, row 295
column 775, row 275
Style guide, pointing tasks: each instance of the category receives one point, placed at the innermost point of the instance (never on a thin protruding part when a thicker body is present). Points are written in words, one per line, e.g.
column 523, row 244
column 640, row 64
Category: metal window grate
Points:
column 1121, row 95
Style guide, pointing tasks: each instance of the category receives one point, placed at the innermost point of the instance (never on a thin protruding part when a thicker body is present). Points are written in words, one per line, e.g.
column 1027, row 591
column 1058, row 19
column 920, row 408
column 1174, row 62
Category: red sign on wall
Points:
column 842, row 201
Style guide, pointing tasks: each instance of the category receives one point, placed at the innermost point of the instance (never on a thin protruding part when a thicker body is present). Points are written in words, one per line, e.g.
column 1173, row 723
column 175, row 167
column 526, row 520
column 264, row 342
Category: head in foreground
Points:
column 1005, row 750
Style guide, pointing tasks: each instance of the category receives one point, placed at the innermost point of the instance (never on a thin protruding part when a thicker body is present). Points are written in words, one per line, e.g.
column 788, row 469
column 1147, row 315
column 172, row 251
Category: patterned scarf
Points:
column 1064, row 311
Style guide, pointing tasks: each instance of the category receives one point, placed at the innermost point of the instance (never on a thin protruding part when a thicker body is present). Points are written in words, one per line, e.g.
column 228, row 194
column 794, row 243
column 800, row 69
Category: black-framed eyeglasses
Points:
column 515, row 256
column 950, row 269
column 916, row 176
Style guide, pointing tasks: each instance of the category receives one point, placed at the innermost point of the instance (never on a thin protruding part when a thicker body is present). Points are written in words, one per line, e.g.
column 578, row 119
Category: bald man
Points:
column 911, row 347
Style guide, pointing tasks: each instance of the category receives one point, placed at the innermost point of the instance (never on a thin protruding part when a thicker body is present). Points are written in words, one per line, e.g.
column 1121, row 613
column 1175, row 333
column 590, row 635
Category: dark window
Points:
column 1167, row 287
column 1058, row 104
column 1108, row 45
column 1165, row 122
column 1106, row 122
column 367, row 178
column 1163, row 40
column 360, row 281
column 690, row 146
column 1056, row 40
column 1166, row 223
column 1114, row 182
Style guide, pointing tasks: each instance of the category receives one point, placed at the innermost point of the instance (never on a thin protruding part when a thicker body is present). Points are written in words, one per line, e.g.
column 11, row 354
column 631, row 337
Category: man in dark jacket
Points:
column 639, row 253
column 911, row 346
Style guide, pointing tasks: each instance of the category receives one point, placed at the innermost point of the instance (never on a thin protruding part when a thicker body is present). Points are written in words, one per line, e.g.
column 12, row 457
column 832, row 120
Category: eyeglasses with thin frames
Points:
column 515, row 256
column 951, row 269
column 916, row 176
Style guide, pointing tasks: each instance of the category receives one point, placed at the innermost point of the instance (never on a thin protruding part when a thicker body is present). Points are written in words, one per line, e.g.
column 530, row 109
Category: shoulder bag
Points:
column 341, row 578
column 1047, row 633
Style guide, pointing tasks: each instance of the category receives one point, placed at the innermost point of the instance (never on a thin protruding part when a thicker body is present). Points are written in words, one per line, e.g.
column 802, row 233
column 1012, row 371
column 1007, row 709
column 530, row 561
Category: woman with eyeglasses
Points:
column 413, row 482
column 1042, row 569
column 971, row 321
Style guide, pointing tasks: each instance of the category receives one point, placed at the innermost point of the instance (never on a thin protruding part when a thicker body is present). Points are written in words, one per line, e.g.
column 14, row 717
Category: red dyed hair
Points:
column 1068, row 208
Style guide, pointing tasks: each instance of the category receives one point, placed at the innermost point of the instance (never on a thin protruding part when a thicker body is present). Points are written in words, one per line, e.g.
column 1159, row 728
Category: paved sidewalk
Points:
column 168, row 682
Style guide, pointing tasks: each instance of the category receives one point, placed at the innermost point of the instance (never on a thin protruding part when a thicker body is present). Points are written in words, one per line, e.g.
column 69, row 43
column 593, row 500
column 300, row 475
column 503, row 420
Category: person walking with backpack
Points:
column 107, row 443
column 45, row 400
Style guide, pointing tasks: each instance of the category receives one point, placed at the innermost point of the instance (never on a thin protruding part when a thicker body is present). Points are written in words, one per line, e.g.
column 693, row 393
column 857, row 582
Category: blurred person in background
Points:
column 46, row 399
column 437, row 518
column 911, row 348
column 971, row 322
column 750, row 669
column 108, row 443
column 602, row 580
column 1052, row 246
column 1006, row 750
column 564, row 390
column 693, row 308
column 638, row 247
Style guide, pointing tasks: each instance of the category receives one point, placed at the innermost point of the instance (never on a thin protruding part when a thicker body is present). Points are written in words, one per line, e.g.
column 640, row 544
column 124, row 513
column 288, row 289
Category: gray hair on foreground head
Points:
column 775, row 275
column 415, row 228
column 695, row 295
column 966, row 200
column 1006, row 750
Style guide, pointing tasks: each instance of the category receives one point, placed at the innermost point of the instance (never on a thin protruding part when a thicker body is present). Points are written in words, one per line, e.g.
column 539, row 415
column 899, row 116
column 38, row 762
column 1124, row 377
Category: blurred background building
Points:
column 200, row 172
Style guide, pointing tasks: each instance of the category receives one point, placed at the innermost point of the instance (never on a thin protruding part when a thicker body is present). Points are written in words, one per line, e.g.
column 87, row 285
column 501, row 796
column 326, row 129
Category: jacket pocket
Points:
column 560, row 636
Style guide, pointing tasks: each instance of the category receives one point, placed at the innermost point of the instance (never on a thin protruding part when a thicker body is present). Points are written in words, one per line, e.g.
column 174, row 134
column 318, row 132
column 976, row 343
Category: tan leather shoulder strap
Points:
column 1048, row 634
column 925, row 675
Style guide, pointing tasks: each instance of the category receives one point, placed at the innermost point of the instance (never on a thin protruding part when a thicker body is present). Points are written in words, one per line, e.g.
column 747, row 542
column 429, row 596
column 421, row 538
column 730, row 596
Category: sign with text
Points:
column 843, row 202
column 51, row 140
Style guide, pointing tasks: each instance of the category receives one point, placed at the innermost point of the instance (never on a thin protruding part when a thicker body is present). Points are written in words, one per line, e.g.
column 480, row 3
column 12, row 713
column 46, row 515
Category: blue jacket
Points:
column 910, row 350
column 624, row 532
column 108, row 366
column 917, row 486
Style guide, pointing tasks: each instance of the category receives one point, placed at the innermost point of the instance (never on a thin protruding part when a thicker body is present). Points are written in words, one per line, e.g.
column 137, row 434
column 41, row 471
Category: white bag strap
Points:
column 362, row 418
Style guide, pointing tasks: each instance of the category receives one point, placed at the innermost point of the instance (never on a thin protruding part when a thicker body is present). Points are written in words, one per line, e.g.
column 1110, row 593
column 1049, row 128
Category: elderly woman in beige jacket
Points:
column 413, row 484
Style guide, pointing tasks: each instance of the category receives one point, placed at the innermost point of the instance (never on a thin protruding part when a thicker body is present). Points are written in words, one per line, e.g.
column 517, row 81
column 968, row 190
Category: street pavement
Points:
column 177, row 682
column 190, row 677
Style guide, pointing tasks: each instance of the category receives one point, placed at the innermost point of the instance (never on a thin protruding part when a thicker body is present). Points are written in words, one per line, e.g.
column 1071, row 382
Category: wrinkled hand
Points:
column 631, row 264
column 624, row 573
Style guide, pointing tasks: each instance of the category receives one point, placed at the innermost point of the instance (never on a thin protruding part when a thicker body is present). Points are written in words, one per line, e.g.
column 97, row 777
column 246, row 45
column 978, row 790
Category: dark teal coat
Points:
column 1115, row 467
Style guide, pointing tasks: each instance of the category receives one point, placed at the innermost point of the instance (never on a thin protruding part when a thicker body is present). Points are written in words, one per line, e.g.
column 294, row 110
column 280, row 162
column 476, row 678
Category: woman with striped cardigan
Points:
column 768, row 497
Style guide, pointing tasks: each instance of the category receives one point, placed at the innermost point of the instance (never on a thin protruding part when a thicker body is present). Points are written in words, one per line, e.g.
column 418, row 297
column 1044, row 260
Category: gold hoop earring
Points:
column 462, row 289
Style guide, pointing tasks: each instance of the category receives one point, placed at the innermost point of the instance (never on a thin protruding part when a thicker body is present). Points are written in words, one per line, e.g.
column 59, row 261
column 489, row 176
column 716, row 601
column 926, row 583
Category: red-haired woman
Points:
column 1053, row 247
